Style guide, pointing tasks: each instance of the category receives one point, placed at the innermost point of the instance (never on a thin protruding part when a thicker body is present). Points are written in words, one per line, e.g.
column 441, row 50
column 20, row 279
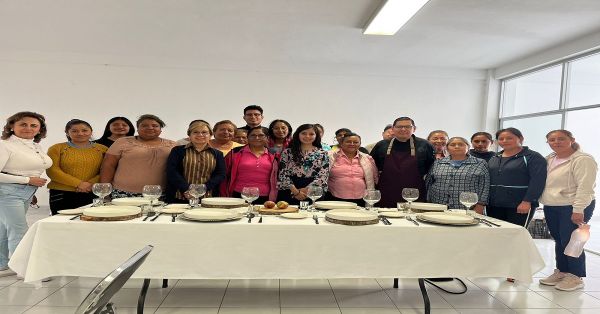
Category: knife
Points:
column 491, row 223
column 75, row 217
column 412, row 220
column 316, row 219
column 155, row 217
column 387, row 221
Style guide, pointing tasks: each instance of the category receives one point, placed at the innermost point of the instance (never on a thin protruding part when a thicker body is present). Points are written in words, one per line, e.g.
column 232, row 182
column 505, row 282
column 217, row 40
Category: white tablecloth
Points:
column 277, row 248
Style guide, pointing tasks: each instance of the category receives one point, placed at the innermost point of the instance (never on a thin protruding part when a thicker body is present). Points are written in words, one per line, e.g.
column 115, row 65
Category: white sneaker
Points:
column 570, row 283
column 553, row 279
column 7, row 272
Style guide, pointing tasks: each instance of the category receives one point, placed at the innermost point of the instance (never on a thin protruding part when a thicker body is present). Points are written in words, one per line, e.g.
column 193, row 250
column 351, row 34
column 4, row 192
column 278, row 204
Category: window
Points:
column 531, row 93
column 584, row 82
column 534, row 131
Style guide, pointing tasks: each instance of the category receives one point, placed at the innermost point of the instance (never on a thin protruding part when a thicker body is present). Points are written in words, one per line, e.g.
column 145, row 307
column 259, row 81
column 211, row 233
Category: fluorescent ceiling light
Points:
column 392, row 15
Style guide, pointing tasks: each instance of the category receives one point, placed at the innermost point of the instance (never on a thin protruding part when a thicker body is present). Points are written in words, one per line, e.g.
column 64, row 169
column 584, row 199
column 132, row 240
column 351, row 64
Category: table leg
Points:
column 425, row 296
column 395, row 283
column 142, row 298
column 165, row 283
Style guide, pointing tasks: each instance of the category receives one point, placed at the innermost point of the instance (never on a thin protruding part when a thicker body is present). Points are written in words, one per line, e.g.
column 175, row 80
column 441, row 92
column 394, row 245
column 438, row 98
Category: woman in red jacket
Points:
column 251, row 166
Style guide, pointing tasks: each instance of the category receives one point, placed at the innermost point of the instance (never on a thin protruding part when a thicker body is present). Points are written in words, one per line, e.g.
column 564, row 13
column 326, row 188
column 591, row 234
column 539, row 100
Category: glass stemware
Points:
column 371, row 197
column 410, row 195
column 102, row 190
column 468, row 199
column 196, row 191
column 151, row 192
column 314, row 193
column 250, row 194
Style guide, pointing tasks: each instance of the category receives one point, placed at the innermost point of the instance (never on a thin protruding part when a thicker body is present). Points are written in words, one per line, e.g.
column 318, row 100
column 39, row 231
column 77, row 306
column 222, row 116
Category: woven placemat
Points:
column 352, row 223
column 118, row 218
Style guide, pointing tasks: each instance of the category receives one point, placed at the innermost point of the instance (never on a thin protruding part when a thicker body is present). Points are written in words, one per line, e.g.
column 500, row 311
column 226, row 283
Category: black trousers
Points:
column 60, row 200
column 509, row 214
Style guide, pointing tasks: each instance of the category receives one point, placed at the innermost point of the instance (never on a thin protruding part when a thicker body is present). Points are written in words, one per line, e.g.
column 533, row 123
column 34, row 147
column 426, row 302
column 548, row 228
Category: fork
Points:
column 409, row 218
column 316, row 219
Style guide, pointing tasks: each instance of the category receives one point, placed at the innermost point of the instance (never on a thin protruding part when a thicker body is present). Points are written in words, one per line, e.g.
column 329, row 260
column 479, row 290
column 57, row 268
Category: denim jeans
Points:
column 14, row 201
column 560, row 225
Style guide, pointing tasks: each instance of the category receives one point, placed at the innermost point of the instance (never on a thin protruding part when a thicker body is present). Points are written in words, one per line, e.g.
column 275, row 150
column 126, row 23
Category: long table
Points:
column 277, row 248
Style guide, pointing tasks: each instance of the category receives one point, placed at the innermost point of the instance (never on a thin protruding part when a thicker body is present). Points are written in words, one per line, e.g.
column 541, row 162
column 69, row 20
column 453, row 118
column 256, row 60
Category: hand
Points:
column 524, row 207
column 84, row 187
column 577, row 218
column 300, row 196
column 479, row 209
column 37, row 181
column 304, row 191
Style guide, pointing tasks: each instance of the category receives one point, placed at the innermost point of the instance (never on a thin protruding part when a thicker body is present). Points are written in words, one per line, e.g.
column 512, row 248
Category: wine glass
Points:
column 250, row 194
column 196, row 191
column 468, row 199
column 102, row 190
column 151, row 192
column 371, row 197
column 410, row 195
column 314, row 193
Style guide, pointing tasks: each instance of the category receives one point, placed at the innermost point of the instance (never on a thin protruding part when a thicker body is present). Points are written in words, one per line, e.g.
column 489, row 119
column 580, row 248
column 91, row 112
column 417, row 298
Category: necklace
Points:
column 35, row 149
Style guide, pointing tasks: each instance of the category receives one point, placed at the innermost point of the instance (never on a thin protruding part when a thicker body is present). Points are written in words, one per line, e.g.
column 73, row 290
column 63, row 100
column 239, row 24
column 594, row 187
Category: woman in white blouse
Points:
column 22, row 162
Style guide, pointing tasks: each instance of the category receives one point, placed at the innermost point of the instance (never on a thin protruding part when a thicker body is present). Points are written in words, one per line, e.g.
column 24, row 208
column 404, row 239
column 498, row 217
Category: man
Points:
column 387, row 134
column 403, row 161
column 253, row 115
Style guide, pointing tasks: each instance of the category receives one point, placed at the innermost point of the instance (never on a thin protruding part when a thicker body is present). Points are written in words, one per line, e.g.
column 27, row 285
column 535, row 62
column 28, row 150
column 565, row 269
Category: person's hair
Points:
column 272, row 126
column 198, row 124
column 150, row 117
column 238, row 130
column 574, row 145
column 486, row 134
column 218, row 124
column 345, row 130
column 404, row 119
column 351, row 134
column 10, row 122
column 513, row 131
column 296, row 143
column 198, row 120
column 253, row 107
column 460, row 138
column 73, row 122
column 387, row 127
column 256, row 128
column 319, row 126
column 107, row 132
column 436, row 131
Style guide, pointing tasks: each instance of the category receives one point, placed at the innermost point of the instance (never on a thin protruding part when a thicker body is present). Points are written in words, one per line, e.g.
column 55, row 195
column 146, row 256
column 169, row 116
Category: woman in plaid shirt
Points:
column 458, row 173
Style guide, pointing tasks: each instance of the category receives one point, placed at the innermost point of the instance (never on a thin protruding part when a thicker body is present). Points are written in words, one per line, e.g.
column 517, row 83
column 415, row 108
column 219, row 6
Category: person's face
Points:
column 257, row 138
column 438, row 140
column 388, row 134
column 507, row 140
column 224, row 132
column 119, row 127
column 200, row 135
column 481, row 143
column 559, row 142
column 149, row 129
column 403, row 130
column 79, row 133
column 340, row 136
column 241, row 137
column 457, row 148
column 27, row 128
column 307, row 136
column 280, row 130
column 253, row 117
column 350, row 145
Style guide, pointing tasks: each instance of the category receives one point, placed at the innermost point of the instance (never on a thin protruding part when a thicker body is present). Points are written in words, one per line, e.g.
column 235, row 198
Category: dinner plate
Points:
column 74, row 211
column 131, row 201
column 294, row 215
column 334, row 204
column 395, row 214
column 174, row 210
column 448, row 218
column 211, row 214
column 351, row 215
column 210, row 220
column 111, row 211
column 429, row 207
column 180, row 206
column 224, row 201
column 382, row 210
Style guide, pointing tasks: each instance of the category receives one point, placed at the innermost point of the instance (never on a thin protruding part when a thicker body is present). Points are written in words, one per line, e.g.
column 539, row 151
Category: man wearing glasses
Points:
column 253, row 115
column 403, row 161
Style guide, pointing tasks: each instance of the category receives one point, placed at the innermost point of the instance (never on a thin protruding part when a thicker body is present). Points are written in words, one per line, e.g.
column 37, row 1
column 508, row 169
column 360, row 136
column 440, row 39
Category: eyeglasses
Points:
column 257, row 136
column 201, row 133
column 405, row 127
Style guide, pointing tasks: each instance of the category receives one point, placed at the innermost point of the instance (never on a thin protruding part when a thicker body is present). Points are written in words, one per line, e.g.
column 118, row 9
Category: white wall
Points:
column 453, row 101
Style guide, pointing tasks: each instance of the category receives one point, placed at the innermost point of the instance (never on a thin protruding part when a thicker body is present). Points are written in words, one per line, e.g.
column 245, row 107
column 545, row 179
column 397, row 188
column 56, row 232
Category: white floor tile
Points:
column 433, row 311
column 366, row 298
column 129, row 297
column 24, row 296
column 13, row 309
column 52, row 310
column 66, row 297
column 413, row 299
column 7, row 281
column 258, row 310
column 542, row 311
column 188, row 310
column 202, row 283
column 254, row 283
column 190, row 297
column 322, row 298
column 55, row 282
column 358, row 284
column 486, row 311
column 498, row 284
column 473, row 300
column 373, row 310
column 309, row 284
column 523, row 300
column 251, row 298
column 291, row 310
column 575, row 300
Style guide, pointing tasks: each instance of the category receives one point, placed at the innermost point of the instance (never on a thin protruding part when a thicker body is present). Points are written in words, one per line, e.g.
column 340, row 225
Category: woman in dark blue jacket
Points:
column 517, row 179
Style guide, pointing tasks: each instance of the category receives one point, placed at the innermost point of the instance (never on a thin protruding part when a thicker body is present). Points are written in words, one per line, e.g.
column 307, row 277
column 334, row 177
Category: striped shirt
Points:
column 198, row 166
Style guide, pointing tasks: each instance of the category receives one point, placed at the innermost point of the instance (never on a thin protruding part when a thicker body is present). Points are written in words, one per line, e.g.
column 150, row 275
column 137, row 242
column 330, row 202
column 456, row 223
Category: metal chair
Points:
column 98, row 301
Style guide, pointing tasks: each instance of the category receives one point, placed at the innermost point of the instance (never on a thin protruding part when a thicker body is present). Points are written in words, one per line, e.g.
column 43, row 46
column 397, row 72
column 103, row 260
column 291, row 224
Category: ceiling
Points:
column 258, row 34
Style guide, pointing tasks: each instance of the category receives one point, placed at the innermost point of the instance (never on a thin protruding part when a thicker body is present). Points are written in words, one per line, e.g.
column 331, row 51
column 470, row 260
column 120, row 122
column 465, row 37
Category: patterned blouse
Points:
column 314, row 164
column 447, row 178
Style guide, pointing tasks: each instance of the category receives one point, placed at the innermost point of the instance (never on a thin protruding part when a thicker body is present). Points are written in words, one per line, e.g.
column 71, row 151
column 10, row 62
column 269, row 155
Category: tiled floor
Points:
column 485, row 295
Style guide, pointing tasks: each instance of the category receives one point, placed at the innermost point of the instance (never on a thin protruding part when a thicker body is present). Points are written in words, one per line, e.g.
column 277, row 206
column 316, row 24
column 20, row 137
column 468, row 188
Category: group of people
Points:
column 283, row 163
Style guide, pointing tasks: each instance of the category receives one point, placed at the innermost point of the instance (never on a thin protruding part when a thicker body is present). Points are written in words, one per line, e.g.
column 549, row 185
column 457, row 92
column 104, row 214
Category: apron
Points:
column 400, row 170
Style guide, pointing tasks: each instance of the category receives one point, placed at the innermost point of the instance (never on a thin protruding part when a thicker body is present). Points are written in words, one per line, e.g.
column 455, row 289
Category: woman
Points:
column 326, row 147
column 223, row 141
column 75, row 167
column 481, row 142
column 280, row 135
column 351, row 172
column 339, row 136
column 252, row 166
column 194, row 163
column 302, row 164
column 22, row 162
column 568, row 202
column 439, row 140
column 457, row 173
column 116, row 128
column 241, row 136
column 134, row 161
column 517, row 179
